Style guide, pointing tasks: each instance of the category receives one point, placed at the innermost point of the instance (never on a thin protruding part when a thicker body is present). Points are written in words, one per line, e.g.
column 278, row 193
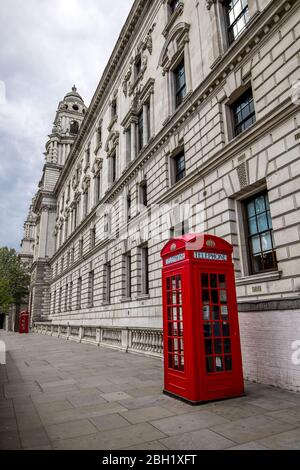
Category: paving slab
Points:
column 188, row 422
column 251, row 429
column 70, row 429
column 108, row 422
column 114, row 439
column 204, row 439
column 289, row 440
column 9, row 440
column 146, row 414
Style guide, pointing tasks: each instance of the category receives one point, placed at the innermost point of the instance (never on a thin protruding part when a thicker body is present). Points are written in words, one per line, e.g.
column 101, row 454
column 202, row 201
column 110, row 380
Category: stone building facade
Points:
column 194, row 126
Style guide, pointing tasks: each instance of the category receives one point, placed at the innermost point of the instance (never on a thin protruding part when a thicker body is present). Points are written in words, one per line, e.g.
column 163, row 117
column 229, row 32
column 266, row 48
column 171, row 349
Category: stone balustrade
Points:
column 148, row 341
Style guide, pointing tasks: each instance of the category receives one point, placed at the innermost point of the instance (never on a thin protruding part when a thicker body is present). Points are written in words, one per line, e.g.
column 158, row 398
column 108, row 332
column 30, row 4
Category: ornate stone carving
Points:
column 145, row 47
column 174, row 45
column 86, row 183
column 209, row 3
column 97, row 166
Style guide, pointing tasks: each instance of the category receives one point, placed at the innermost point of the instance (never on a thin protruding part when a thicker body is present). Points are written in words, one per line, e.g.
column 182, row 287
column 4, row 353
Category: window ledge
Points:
column 143, row 297
column 126, row 299
column 257, row 278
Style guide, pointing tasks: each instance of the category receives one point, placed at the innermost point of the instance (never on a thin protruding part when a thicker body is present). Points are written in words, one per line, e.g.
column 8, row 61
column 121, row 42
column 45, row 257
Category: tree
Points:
column 14, row 280
column 5, row 298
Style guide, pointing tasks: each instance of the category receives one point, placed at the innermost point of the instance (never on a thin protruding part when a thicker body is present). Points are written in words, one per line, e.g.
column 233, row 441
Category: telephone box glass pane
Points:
column 204, row 280
column 175, row 323
column 214, row 297
column 222, row 281
column 216, row 312
column 208, row 346
column 228, row 362
column 219, row 364
column 206, row 311
column 213, row 280
column 210, row 364
column 216, row 331
column 218, row 346
column 207, row 330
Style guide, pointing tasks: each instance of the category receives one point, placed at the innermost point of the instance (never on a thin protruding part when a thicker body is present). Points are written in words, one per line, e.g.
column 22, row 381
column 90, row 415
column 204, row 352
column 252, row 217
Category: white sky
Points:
column 45, row 48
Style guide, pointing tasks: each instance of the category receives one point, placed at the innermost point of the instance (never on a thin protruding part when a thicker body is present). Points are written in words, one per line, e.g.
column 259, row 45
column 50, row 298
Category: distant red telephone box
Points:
column 202, row 353
column 24, row 322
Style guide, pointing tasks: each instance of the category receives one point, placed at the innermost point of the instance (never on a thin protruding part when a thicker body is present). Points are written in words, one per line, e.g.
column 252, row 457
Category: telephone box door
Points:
column 219, row 333
column 176, row 328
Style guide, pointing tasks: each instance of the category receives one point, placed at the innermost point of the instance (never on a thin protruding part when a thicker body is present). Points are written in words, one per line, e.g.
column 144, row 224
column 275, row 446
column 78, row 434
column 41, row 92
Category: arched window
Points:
column 74, row 127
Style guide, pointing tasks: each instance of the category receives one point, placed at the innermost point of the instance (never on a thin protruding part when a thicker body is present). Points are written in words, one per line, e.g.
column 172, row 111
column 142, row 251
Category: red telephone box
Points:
column 202, row 353
column 24, row 322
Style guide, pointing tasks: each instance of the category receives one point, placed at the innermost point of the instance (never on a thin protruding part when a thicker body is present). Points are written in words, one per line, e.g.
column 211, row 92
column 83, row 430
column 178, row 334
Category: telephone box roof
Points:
column 196, row 242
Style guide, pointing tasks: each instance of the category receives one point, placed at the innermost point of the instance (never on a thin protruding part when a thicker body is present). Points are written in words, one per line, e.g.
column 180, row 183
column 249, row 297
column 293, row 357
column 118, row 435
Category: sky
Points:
column 45, row 48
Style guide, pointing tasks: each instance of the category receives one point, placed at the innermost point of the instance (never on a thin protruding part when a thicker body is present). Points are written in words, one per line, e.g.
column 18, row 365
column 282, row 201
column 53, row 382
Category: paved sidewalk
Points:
column 57, row 394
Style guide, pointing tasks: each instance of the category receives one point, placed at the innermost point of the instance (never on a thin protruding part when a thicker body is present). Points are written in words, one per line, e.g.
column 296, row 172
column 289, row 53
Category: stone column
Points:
column 188, row 72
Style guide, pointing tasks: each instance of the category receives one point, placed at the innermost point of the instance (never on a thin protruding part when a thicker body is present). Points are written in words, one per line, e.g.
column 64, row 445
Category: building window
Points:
column 73, row 254
column 114, row 108
column 128, row 145
column 107, row 224
column 173, row 4
column 97, row 188
column 75, row 214
column 179, row 229
column 68, row 191
column 54, row 302
column 138, row 65
column 60, row 299
column 79, row 287
column 85, row 203
column 179, row 166
column 243, row 113
column 62, row 264
column 91, row 289
column 99, row 134
column 66, row 297
column 128, row 207
column 81, row 248
column 113, row 161
column 260, row 234
column 143, row 194
column 93, row 237
column 66, row 228
column 107, row 283
column 145, row 270
column 237, row 14
column 140, row 132
column 70, row 295
column 127, row 275
column 88, row 155
column 180, row 83
column 74, row 127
